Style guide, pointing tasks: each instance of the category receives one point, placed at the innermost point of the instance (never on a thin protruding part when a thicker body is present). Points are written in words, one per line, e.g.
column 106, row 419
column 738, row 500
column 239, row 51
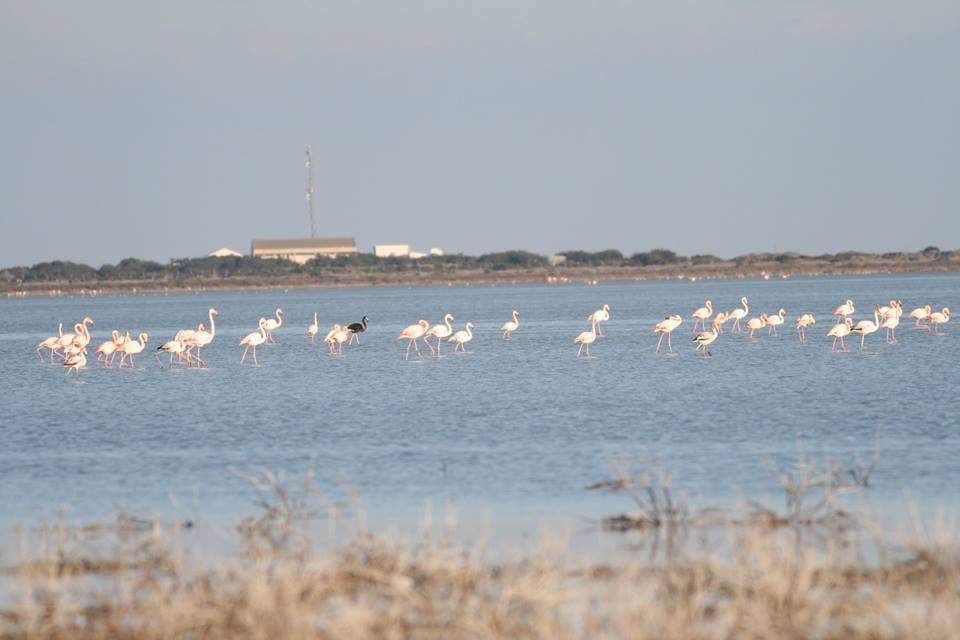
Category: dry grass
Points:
column 131, row 580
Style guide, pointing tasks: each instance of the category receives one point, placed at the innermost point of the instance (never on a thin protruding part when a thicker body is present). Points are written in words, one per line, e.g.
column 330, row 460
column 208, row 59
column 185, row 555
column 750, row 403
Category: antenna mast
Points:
column 310, row 208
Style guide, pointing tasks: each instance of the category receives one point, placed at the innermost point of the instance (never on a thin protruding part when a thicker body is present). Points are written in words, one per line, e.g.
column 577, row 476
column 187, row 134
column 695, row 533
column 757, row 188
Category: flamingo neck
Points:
column 213, row 324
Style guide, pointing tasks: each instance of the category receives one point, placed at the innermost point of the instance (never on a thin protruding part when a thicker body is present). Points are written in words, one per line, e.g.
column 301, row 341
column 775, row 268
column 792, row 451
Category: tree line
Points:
column 246, row 266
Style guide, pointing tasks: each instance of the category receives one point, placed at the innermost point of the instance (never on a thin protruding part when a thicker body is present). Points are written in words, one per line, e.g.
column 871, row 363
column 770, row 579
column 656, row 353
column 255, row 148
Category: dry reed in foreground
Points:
column 131, row 581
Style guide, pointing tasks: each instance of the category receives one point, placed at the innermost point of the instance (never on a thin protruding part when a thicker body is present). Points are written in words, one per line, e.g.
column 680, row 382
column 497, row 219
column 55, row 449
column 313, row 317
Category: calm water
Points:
column 513, row 430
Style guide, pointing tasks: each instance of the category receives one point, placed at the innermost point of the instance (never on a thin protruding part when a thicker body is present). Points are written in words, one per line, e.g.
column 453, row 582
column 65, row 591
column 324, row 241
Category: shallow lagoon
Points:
column 508, row 433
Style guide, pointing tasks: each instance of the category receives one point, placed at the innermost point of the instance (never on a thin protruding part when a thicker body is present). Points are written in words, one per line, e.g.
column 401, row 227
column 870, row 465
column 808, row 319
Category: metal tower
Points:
column 310, row 208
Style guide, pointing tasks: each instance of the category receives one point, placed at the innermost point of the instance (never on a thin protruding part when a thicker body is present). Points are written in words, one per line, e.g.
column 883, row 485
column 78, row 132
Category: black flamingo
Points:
column 357, row 328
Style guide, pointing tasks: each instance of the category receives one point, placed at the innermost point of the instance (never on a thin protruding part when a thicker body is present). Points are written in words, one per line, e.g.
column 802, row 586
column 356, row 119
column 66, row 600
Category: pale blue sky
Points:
column 169, row 129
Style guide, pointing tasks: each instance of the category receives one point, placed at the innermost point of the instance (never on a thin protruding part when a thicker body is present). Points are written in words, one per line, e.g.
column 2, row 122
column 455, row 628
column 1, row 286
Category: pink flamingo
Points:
column 844, row 310
column 701, row 315
column 313, row 329
column 274, row 324
column 804, row 321
column 67, row 339
column 462, row 337
column 938, row 318
column 52, row 343
column 891, row 323
column 775, row 321
column 338, row 337
column 921, row 313
column 840, row 331
column 439, row 332
column 739, row 314
column 254, row 340
column 665, row 328
column 587, row 338
column 511, row 326
column 866, row 327
column 201, row 338
column 600, row 315
column 131, row 348
column 756, row 323
column 108, row 348
column 718, row 321
column 412, row 334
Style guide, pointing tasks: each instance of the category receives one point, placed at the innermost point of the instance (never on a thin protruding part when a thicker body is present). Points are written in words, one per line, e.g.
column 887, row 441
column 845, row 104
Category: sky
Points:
column 168, row 130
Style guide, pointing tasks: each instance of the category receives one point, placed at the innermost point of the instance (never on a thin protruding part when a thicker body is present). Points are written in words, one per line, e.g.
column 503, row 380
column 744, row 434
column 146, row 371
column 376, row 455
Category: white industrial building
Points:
column 301, row 250
column 391, row 250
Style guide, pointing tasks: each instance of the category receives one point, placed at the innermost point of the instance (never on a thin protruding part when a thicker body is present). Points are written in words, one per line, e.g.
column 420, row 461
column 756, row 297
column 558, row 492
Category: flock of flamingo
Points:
column 187, row 344
column 884, row 317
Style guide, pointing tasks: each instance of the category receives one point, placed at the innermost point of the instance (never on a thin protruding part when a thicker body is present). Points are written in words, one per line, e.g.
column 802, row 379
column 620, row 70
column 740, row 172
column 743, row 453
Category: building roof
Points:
column 224, row 252
column 303, row 244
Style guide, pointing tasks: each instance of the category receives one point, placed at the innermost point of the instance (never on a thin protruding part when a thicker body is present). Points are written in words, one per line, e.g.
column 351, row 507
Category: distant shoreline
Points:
column 553, row 275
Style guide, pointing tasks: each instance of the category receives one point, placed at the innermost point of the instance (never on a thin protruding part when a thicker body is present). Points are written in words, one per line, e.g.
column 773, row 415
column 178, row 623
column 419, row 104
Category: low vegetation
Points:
column 366, row 268
column 770, row 577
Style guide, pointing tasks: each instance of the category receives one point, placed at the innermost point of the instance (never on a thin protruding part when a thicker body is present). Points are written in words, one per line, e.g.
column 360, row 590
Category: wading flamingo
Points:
column 775, row 321
column 174, row 348
column 739, row 314
column 108, row 349
column 701, row 315
column 131, row 348
column 890, row 324
column 598, row 316
column 313, row 329
column 840, row 331
column 356, row 328
column 921, row 313
column 254, row 340
column 76, row 346
column 439, row 331
column 718, row 321
column 866, row 327
column 804, row 321
column 665, row 328
column 52, row 343
column 511, row 326
column 337, row 338
column 462, row 337
column 938, row 318
column 274, row 324
column 202, row 338
column 705, row 339
column 66, row 339
column 587, row 338
column 844, row 310
column 756, row 323
column 75, row 362
column 894, row 308
column 412, row 334
column 328, row 339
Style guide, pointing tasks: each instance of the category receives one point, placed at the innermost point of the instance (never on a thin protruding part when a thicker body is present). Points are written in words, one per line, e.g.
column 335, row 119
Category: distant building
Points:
column 224, row 252
column 556, row 260
column 302, row 250
column 416, row 255
column 391, row 250
column 436, row 251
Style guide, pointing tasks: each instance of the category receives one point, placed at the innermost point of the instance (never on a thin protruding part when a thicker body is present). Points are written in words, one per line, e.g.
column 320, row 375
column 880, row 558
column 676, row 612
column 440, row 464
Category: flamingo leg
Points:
column 658, row 343
column 255, row 355
column 244, row 356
